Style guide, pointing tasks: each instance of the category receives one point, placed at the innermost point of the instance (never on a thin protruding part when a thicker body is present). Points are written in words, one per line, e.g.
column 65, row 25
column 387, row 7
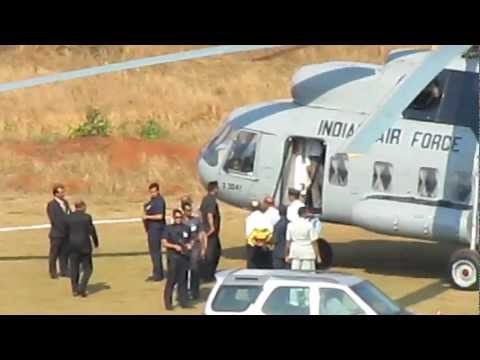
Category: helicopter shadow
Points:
column 395, row 258
column 383, row 257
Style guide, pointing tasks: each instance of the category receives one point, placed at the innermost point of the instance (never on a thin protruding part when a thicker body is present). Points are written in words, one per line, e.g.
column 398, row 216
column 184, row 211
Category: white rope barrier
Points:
column 47, row 226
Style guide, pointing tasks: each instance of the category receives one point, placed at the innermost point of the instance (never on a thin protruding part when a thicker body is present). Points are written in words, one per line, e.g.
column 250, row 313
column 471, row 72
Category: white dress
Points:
column 301, row 233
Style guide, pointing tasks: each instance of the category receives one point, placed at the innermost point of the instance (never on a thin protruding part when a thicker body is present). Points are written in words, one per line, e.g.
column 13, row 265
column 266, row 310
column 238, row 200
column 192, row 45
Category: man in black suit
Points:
column 57, row 211
column 81, row 232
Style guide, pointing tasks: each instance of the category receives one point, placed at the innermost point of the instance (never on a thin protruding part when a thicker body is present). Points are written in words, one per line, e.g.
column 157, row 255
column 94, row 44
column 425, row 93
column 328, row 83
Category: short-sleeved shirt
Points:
column 155, row 206
column 210, row 206
column 178, row 234
column 195, row 225
column 292, row 210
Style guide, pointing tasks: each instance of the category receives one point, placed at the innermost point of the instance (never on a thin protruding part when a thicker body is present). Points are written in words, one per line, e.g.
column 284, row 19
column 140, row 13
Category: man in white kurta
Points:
column 271, row 211
column 258, row 255
column 301, row 235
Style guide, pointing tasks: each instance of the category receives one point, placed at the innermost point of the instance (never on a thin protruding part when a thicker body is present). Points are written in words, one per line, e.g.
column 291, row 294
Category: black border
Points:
column 241, row 23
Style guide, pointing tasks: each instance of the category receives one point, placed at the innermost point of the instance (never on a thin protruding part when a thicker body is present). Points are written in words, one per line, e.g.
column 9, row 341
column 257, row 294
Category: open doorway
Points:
column 304, row 170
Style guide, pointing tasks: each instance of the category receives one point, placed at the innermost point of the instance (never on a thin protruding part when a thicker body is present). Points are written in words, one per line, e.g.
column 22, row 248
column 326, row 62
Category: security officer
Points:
column 198, row 248
column 280, row 240
column 81, row 232
column 177, row 241
column 211, row 220
column 154, row 222
column 57, row 211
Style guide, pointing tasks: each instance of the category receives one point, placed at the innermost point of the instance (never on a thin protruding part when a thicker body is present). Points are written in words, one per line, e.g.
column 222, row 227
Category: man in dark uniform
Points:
column 154, row 222
column 198, row 248
column 177, row 241
column 57, row 211
column 280, row 239
column 211, row 223
column 81, row 232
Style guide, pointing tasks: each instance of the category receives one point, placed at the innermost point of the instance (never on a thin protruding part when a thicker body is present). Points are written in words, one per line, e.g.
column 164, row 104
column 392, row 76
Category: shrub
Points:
column 152, row 130
column 95, row 125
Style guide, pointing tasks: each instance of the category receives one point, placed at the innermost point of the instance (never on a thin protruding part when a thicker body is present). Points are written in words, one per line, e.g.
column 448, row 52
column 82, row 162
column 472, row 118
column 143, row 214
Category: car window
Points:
column 235, row 298
column 376, row 299
column 288, row 301
column 337, row 302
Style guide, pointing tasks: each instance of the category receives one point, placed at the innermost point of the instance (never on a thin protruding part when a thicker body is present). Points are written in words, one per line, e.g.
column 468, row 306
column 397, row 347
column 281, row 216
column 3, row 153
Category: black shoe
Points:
column 65, row 275
column 53, row 276
column 186, row 306
column 169, row 307
column 84, row 294
column 75, row 293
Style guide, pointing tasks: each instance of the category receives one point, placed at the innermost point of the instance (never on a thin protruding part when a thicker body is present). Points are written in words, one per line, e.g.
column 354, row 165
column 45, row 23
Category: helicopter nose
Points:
column 206, row 173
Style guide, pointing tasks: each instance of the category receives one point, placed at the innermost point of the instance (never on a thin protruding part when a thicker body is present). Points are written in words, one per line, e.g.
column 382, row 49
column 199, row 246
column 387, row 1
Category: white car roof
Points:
column 252, row 277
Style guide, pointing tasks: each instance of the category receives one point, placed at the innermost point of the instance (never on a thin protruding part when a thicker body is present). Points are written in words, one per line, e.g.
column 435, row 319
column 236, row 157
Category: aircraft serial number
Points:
column 232, row 187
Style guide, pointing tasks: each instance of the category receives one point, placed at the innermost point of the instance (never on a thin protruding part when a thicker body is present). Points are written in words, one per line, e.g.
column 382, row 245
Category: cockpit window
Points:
column 451, row 98
column 213, row 153
column 428, row 98
column 241, row 157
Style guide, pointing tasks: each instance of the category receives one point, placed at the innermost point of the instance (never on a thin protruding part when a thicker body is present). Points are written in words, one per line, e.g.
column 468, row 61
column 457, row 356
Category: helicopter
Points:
column 394, row 147
column 397, row 146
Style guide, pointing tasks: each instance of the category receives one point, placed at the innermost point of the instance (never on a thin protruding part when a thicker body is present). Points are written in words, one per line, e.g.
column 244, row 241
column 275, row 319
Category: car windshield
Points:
column 376, row 299
column 235, row 298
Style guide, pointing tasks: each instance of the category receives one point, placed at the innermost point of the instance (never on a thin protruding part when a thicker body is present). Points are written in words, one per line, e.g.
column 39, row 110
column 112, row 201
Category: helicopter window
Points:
column 382, row 176
column 460, row 186
column 429, row 97
column 452, row 98
column 338, row 172
column 241, row 157
column 213, row 152
column 427, row 182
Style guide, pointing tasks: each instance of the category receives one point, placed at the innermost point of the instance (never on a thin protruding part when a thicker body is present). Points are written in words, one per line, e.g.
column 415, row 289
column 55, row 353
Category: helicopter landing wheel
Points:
column 326, row 253
column 464, row 269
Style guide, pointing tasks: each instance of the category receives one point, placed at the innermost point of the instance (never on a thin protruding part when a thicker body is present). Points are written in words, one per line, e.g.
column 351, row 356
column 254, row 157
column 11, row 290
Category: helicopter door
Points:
column 303, row 170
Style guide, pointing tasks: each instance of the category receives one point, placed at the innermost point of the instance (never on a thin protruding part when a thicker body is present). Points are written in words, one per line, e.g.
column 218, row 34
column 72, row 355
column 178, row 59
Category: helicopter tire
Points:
column 464, row 269
column 326, row 253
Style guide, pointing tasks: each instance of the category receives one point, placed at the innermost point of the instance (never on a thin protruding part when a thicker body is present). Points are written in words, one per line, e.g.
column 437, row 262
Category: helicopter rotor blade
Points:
column 133, row 64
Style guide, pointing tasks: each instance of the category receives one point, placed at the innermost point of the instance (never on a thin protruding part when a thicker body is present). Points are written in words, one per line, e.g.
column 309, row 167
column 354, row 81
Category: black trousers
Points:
column 176, row 275
column 258, row 258
column 58, row 251
column 195, row 264
column 212, row 257
column 83, row 260
column 279, row 263
column 155, row 250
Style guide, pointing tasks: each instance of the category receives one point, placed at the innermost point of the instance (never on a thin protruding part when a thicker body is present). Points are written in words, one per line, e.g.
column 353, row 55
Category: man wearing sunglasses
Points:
column 197, row 253
column 177, row 241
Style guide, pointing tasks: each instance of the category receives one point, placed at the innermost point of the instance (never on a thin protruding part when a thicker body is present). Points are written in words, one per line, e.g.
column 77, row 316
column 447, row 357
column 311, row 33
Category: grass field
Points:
column 409, row 271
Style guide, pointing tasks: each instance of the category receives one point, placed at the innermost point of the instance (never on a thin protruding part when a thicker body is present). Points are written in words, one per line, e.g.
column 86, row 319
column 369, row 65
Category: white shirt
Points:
column 257, row 220
column 301, row 233
column 62, row 204
column 273, row 214
column 301, row 180
column 292, row 210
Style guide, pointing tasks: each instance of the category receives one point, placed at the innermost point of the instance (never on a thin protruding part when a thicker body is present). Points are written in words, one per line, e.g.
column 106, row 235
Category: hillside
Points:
column 188, row 100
